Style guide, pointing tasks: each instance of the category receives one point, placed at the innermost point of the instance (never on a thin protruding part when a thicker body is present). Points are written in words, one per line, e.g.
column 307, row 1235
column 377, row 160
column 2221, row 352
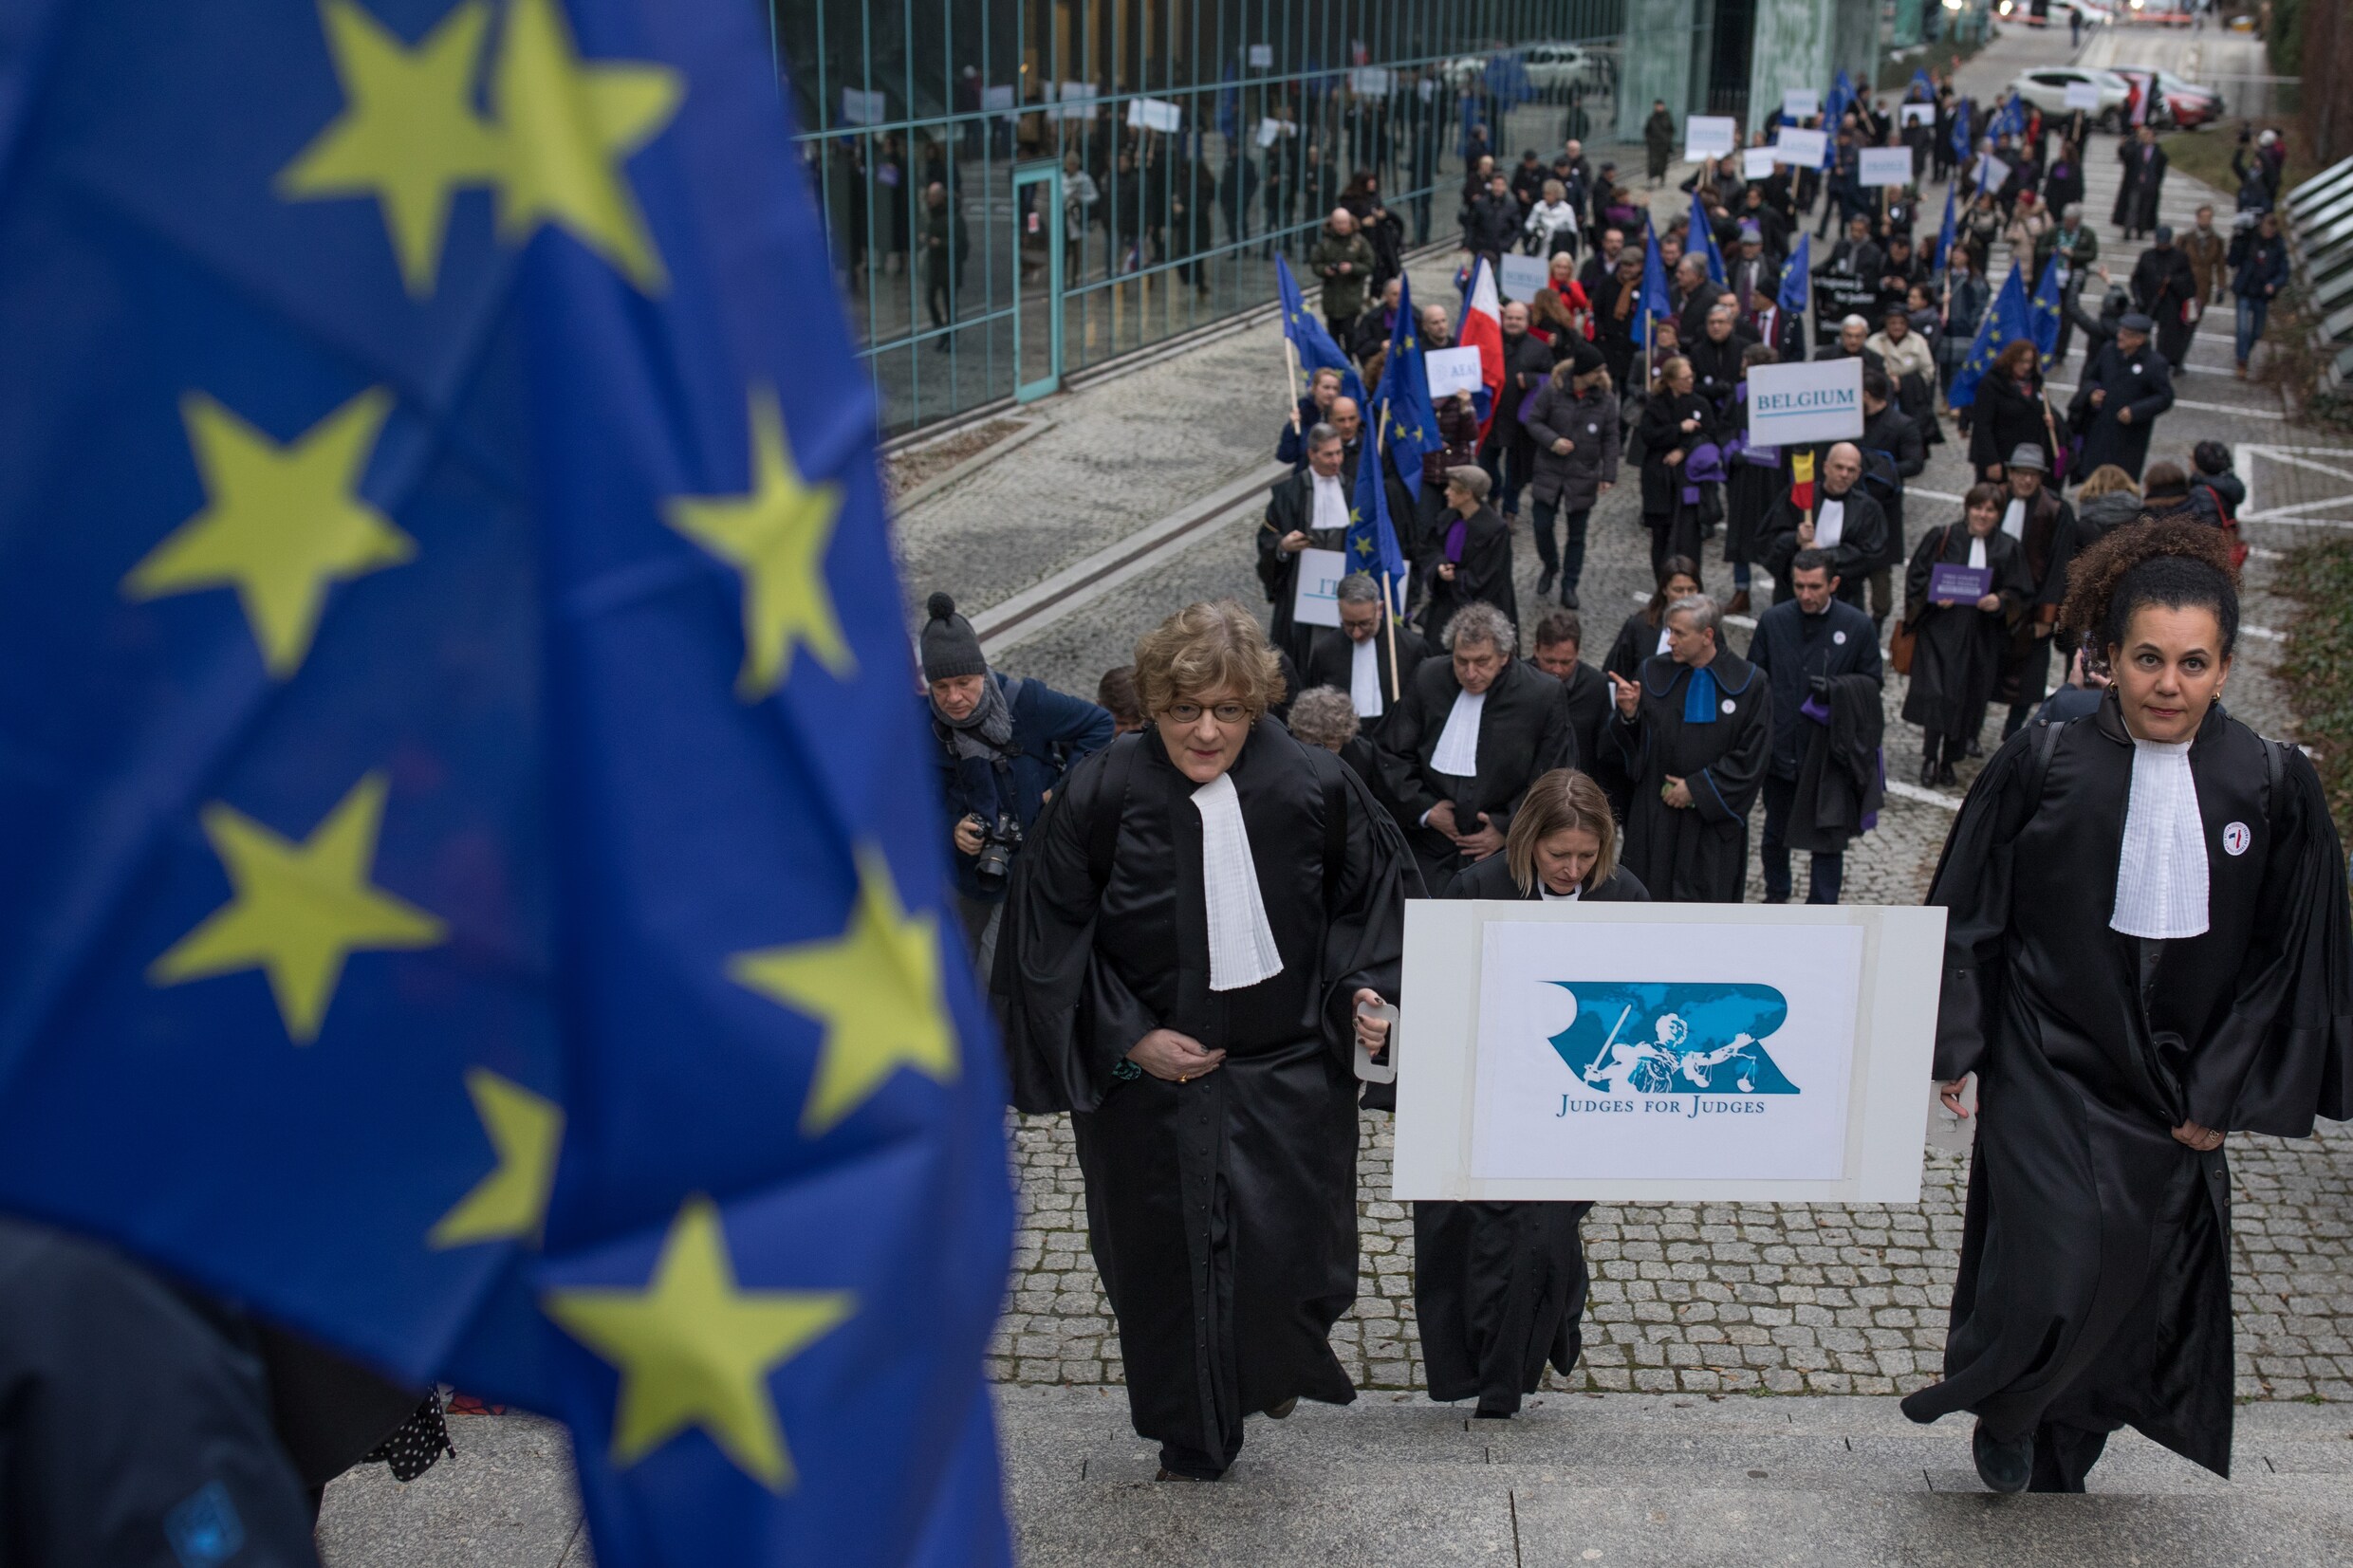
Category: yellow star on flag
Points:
column 877, row 991
column 299, row 911
column 695, row 1349
column 408, row 135
column 776, row 535
column 568, row 125
column 279, row 524
column 526, row 1129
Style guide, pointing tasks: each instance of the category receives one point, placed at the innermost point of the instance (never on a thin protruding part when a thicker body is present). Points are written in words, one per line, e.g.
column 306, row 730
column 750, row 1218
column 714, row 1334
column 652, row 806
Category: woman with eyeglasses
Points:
column 1196, row 921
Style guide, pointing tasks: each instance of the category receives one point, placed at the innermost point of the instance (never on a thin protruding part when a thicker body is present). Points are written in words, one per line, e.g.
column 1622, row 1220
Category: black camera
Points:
column 997, row 843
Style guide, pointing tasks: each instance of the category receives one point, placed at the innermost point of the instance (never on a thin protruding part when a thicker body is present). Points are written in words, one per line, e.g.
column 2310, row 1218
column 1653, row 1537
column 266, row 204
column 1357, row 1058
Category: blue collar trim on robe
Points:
column 1699, row 698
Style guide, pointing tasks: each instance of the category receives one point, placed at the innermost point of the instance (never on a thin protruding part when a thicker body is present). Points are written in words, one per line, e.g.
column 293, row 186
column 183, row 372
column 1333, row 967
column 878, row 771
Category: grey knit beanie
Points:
column 951, row 647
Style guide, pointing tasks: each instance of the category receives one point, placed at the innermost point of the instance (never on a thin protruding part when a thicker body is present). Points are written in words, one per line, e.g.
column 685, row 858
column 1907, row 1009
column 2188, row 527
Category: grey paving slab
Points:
column 505, row 1500
column 1439, row 1519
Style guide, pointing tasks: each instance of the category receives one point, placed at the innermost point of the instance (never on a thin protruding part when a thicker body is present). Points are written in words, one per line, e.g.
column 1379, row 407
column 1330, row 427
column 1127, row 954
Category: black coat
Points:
column 1715, row 370
column 1959, row 653
column 2143, row 186
column 1661, row 429
column 1891, row 438
column 1862, row 540
column 1483, row 576
column 1589, row 422
column 1526, row 366
column 2163, row 286
column 2005, row 417
column 1695, row 854
column 1636, row 644
column 1693, row 317
column 1587, row 694
column 1223, row 1310
column 2140, row 382
column 1290, row 505
column 1840, row 783
column 1492, row 878
column 1331, row 661
column 1795, row 650
column 1524, row 732
column 2094, row 1287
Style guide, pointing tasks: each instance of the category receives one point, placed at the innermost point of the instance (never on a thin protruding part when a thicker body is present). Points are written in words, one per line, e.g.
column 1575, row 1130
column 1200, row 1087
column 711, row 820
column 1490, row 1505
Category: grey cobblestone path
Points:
column 1709, row 1299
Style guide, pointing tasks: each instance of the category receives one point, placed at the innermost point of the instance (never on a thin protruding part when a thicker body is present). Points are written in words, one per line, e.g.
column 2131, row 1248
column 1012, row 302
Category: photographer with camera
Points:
column 1004, row 743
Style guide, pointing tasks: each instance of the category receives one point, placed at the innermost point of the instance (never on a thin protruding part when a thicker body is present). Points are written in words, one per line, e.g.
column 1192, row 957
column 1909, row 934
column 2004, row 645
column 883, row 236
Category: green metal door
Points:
column 1037, row 267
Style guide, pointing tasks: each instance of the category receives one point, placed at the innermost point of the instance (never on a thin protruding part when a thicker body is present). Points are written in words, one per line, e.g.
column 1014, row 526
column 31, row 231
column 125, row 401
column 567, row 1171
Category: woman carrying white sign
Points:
column 2147, row 948
column 1499, row 1287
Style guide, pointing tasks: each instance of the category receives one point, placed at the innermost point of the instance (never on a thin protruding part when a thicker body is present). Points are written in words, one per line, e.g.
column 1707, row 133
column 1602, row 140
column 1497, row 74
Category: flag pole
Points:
column 1290, row 380
column 1388, row 586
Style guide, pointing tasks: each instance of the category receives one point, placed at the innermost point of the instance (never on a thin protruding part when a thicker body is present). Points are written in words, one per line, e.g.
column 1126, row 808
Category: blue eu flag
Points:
column 1704, row 240
column 1840, row 99
column 1371, row 541
column 2004, row 323
column 1797, row 281
column 2047, row 308
column 470, row 885
column 1655, row 301
column 1403, row 412
column 1311, row 340
column 1961, row 142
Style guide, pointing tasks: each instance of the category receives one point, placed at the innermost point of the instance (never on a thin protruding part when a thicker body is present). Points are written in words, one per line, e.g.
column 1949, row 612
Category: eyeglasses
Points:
column 1190, row 712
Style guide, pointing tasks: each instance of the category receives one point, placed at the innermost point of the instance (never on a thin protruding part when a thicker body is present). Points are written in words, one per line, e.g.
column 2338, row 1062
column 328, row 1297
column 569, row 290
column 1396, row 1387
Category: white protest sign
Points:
column 996, row 98
column 1809, row 400
column 1269, row 131
column 2083, row 95
column 1317, row 601
column 1638, row 1052
column 1369, row 80
column 1801, row 103
column 1757, row 164
column 1801, row 149
column 1918, row 114
column 1883, row 166
column 1155, row 114
column 1078, row 100
column 1261, row 57
column 861, row 108
column 1991, row 172
column 1523, row 277
column 1708, row 136
column 1453, row 370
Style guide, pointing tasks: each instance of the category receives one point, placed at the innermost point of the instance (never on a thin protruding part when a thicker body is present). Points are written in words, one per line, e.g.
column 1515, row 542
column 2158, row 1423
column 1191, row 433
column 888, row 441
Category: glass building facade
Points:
column 1019, row 190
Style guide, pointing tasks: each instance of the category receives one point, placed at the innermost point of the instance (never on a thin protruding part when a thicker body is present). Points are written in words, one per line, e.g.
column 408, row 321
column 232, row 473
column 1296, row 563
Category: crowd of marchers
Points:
column 1186, row 897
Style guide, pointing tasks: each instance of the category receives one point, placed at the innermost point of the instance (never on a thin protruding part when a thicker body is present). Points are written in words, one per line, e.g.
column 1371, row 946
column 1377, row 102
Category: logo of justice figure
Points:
column 1661, row 1038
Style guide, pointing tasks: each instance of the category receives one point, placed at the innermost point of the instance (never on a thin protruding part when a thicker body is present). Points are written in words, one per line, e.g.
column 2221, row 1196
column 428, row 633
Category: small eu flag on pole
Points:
column 469, row 878
column 1962, row 142
column 1404, row 416
column 2048, row 308
column 1797, row 281
column 1311, row 340
column 1371, row 541
column 1655, row 301
column 2006, row 322
column 1704, row 240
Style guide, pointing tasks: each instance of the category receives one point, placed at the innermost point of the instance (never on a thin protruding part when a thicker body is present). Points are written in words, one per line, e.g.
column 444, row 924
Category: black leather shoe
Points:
column 1928, row 771
column 1970, row 748
column 1569, row 596
column 2003, row 1467
column 1944, row 774
column 1544, row 581
column 1282, row 1409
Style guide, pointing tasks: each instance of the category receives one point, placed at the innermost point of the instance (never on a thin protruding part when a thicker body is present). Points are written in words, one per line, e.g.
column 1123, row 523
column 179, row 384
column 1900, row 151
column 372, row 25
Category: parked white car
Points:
column 2045, row 87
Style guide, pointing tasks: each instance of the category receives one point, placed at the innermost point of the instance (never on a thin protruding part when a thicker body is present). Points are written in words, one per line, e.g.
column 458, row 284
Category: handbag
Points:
column 1904, row 638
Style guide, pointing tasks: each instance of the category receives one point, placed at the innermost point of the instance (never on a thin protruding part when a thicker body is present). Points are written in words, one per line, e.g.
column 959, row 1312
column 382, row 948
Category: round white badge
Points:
column 1730, row 705
column 1838, row 637
column 2136, row 370
column 1593, row 430
column 2236, row 838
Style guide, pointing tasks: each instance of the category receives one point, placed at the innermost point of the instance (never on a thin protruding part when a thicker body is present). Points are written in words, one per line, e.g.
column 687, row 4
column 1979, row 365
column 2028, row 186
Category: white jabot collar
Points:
column 1976, row 553
column 1241, row 944
column 1331, row 502
column 1552, row 898
column 1364, row 679
column 1830, row 524
column 2014, row 519
column 2160, row 877
column 1457, row 754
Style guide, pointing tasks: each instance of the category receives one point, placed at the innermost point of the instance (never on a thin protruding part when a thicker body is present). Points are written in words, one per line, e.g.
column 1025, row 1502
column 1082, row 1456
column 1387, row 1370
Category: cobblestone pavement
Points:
column 1815, row 1299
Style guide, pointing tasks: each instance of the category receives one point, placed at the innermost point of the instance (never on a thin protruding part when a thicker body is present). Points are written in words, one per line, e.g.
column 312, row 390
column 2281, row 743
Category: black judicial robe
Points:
column 1499, row 1288
column 1524, row 732
column 1637, row 640
column 1291, row 506
column 1483, row 576
column 1961, row 648
column 1221, row 1213
column 2094, row 1286
column 1697, row 854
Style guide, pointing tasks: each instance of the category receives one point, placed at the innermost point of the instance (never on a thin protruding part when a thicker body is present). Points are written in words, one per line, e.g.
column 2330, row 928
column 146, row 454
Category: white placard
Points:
column 1369, row 80
column 1316, row 600
column 1801, row 103
column 1523, row 277
column 1078, row 100
column 861, row 108
column 1883, row 166
column 1660, row 1052
column 1454, row 369
column 1261, row 57
column 1918, row 114
column 1991, row 172
column 999, row 99
column 1809, row 400
column 1757, row 162
column 1270, row 132
column 1801, row 149
column 1156, row 114
column 2083, row 95
column 1708, row 136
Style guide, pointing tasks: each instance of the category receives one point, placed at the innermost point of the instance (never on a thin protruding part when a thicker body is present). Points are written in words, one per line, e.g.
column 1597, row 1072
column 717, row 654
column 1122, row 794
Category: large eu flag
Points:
column 1311, row 340
column 469, row 886
column 1404, row 415
column 2007, row 321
